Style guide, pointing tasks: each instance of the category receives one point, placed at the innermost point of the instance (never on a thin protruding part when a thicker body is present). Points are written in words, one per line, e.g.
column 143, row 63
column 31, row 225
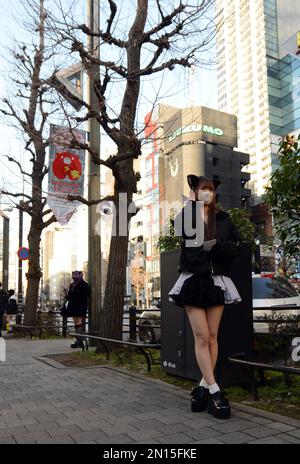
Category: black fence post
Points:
column 132, row 323
column 65, row 326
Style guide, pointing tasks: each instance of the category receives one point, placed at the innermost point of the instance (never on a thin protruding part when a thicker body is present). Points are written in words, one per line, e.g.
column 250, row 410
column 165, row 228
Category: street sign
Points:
column 23, row 253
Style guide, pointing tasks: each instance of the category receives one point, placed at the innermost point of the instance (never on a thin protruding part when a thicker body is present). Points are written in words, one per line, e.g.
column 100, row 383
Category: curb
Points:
column 267, row 414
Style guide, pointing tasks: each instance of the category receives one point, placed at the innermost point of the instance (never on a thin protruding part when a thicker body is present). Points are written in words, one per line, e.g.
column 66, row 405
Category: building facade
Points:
column 258, row 71
column 201, row 141
column 56, row 264
column 145, row 225
column 178, row 142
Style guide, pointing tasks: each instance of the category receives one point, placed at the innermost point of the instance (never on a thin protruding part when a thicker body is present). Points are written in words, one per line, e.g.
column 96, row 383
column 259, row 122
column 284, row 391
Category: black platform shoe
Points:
column 199, row 400
column 218, row 405
column 78, row 344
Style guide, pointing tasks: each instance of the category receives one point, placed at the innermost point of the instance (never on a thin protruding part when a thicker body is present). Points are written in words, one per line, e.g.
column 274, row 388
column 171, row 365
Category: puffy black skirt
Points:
column 12, row 312
column 200, row 291
column 77, row 312
column 73, row 311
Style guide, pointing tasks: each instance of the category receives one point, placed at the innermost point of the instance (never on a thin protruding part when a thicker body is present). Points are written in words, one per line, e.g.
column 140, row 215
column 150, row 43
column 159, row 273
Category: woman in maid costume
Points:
column 204, row 285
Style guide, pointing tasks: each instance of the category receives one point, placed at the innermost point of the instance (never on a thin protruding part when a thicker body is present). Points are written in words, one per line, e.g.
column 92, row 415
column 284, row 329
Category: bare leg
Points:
column 198, row 321
column 79, row 324
column 213, row 316
column 77, row 320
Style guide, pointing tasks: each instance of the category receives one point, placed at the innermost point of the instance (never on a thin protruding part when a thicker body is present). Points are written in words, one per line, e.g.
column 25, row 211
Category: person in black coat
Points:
column 210, row 243
column 11, row 311
column 77, row 305
column 3, row 305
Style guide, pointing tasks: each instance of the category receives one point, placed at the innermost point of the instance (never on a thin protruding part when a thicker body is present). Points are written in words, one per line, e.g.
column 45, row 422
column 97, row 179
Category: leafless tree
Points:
column 161, row 37
column 30, row 110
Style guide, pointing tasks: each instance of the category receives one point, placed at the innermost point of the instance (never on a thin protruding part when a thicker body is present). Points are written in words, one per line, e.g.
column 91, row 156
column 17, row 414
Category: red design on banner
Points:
column 67, row 164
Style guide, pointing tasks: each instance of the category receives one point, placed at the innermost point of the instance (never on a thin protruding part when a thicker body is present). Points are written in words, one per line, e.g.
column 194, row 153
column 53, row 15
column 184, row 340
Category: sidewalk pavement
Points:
column 48, row 403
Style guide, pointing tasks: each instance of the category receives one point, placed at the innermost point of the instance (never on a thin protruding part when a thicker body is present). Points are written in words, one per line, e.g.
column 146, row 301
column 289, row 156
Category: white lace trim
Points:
column 231, row 294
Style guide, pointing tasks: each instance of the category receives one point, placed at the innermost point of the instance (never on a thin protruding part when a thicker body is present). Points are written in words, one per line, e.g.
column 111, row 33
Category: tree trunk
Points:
column 112, row 318
column 33, row 276
column 125, row 182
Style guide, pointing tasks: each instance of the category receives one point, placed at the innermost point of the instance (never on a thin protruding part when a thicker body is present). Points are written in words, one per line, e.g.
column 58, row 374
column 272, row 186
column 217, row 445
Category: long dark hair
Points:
column 210, row 229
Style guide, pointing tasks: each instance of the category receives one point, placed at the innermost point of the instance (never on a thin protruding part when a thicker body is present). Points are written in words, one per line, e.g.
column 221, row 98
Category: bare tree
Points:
column 30, row 112
column 162, row 36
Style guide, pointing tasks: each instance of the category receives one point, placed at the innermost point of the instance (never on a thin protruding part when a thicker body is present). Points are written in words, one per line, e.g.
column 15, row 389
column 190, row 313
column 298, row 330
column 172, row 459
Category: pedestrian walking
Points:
column 204, row 285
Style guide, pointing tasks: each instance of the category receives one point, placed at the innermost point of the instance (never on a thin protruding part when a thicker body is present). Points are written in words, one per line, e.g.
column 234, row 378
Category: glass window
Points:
column 267, row 287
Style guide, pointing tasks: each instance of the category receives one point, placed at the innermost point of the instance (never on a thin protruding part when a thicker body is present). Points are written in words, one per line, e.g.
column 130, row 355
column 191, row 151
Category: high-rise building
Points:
column 56, row 262
column 258, row 81
column 144, row 229
column 47, row 252
column 201, row 141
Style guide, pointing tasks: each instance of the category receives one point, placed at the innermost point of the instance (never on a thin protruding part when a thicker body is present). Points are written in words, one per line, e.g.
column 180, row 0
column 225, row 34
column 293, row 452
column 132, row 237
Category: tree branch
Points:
column 48, row 211
column 166, row 21
column 49, row 222
column 16, row 195
column 13, row 113
column 168, row 65
column 12, row 160
column 105, row 36
column 91, row 202
column 113, row 160
column 86, row 56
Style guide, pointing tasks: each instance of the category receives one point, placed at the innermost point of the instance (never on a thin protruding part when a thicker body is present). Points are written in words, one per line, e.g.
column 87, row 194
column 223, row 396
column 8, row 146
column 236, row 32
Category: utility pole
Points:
column 4, row 248
column 20, row 269
column 21, row 226
column 94, row 259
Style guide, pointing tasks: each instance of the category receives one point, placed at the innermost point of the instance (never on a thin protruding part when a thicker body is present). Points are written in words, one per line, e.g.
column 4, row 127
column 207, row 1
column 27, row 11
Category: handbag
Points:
column 64, row 310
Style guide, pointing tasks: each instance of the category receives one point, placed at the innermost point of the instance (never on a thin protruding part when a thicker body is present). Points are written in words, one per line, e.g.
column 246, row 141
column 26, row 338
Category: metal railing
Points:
column 134, row 327
column 250, row 365
column 131, row 324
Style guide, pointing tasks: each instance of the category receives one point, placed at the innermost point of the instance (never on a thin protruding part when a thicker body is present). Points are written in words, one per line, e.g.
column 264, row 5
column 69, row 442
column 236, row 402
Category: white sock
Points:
column 203, row 383
column 214, row 388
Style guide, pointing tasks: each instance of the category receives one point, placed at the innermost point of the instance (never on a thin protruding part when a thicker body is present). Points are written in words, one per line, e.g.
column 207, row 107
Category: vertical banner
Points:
column 66, row 172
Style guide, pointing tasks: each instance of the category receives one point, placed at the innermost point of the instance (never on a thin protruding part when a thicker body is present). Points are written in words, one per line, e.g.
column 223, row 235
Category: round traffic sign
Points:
column 23, row 253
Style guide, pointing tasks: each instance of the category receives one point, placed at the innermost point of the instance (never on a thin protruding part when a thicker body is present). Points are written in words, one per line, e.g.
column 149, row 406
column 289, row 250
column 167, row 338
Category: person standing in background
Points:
column 3, row 305
column 11, row 311
column 77, row 305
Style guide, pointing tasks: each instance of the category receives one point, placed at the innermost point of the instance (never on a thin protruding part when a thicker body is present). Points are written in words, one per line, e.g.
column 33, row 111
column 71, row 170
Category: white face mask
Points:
column 206, row 196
